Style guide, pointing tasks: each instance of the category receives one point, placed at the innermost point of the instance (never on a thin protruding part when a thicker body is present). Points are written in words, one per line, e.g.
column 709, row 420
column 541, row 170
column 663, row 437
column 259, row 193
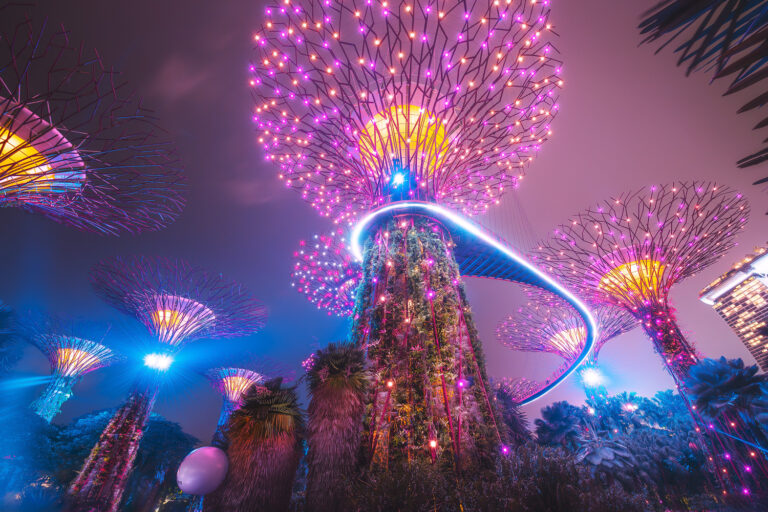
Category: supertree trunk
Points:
column 58, row 391
column 593, row 391
column 338, row 385
column 659, row 323
column 101, row 482
column 429, row 395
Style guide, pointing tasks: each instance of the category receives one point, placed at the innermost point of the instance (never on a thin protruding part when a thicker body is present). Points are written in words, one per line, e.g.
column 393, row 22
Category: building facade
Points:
column 740, row 296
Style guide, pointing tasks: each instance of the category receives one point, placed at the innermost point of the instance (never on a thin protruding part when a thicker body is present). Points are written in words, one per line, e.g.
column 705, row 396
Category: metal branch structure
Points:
column 325, row 272
column 75, row 145
column 360, row 102
column 177, row 303
column 231, row 383
column 727, row 38
column 548, row 324
column 70, row 358
column 520, row 388
column 629, row 251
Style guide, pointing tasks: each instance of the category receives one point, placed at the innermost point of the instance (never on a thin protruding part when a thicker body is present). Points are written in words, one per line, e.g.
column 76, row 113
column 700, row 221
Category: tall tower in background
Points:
column 740, row 296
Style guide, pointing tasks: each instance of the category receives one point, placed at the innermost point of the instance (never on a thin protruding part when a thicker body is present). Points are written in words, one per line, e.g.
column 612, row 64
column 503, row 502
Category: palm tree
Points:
column 338, row 381
column 729, row 38
column 514, row 419
column 723, row 386
column 265, row 438
column 561, row 424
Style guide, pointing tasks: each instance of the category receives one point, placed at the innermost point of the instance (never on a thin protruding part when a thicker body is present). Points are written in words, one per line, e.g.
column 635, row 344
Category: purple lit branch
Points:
column 443, row 103
column 325, row 272
column 175, row 301
column 75, row 145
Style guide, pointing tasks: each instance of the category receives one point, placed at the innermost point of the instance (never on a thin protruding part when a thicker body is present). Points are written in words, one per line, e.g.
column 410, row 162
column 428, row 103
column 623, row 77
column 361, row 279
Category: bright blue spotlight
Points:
column 398, row 179
column 159, row 362
column 592, row 377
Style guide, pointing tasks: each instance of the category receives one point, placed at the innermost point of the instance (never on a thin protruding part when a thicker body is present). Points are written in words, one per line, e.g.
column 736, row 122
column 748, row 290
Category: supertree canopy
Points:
column 232, row 383
column 629, row 251
column 361, row 103
column 70, row 359
column 325, row 272
column 548, row 324
column 177, row 303
column 74, row 144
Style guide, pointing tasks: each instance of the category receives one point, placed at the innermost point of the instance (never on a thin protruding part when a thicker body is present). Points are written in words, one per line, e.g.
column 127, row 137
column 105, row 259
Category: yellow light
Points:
column 235, row 386
column 413, row 135
column 569, row 341
column 71, row 360
column 22, row 163
column 641, row 277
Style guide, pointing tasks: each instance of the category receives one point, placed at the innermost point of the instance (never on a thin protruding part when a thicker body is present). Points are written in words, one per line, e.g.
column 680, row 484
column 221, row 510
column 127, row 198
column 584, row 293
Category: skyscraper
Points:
column 740, row 296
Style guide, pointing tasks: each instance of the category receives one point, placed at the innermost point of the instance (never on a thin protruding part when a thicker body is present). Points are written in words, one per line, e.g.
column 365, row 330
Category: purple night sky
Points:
column 628, row 119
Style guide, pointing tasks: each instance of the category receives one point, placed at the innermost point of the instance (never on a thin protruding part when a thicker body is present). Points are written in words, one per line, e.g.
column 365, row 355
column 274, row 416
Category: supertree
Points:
column 231, row 383
column 548, row 324
column 177, row 303
column 326, row 273
column 384, row 115
column 70, row 358
column 629, row 251
column 75, row 145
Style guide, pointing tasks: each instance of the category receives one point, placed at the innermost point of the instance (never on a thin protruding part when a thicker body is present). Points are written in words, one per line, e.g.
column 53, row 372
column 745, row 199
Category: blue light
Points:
column 480, row 234
column 592, row 377
column 398, row 179
column 160, row 362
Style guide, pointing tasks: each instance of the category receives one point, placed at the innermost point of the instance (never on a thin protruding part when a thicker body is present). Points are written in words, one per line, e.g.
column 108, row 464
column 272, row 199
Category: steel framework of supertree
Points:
column 362, row 104
column 519, row 388
column 547, row 324
column 70, row 358
column 325, row 272
column 629, row 251
column 231, row 383
column 177, row 303
column 75, row 145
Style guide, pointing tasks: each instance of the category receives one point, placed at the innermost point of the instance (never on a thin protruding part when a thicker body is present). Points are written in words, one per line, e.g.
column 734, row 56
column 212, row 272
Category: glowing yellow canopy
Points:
column 641, row 277
column 72, row 361
column 409, row 133
column 21, row 163
column 236, row 385
column 569, row 341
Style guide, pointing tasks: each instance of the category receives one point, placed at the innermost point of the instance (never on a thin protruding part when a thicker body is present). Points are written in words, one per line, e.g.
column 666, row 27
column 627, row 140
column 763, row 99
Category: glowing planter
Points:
column 412, row 317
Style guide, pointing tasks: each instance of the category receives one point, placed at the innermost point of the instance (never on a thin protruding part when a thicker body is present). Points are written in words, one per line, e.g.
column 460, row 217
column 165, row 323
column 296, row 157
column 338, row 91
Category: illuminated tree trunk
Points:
column 661, row 327
column 429, row 395
column 58, row 391
column 101, row 482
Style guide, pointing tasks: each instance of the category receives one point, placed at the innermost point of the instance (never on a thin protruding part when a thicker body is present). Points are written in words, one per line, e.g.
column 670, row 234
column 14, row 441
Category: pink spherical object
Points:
column 202, row 471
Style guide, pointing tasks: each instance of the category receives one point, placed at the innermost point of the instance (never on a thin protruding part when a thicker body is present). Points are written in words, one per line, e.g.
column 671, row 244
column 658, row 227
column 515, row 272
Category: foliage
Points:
column 561, row 424
column 427, row 367
column 512, row 417
column 531, row 478
column 718, row 386
column 338, row 382
column 265, row 437
column 49, row 457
